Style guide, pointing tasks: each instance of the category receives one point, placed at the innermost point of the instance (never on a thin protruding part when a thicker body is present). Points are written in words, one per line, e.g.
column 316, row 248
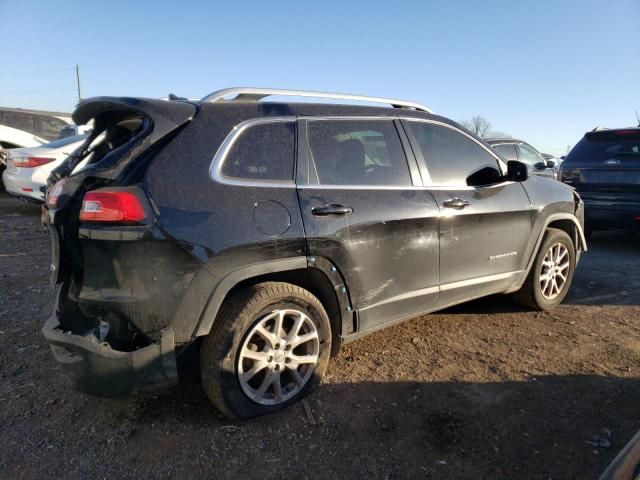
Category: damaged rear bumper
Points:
column 96, row 368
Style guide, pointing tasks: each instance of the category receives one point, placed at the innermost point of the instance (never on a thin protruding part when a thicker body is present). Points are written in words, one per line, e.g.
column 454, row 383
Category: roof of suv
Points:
column 314, row 109
column 614, row 130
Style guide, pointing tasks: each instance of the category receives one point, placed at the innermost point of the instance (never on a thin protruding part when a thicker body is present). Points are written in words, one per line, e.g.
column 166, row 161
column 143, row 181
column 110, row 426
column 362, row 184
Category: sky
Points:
column 543, row 71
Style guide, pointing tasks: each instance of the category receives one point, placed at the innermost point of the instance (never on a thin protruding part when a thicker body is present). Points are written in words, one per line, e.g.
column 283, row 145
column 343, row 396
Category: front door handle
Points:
column 456, row 203
column 331, row 209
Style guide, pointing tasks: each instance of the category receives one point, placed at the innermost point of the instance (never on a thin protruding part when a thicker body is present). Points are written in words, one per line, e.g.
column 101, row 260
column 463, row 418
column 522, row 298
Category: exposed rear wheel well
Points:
column 310, row 279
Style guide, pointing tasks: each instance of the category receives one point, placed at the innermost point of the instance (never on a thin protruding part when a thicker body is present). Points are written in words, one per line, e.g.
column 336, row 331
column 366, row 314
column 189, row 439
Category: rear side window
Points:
column 598, row 147
column 357, row 152
column 507, row 150
column 450, row 156
column 265, row 151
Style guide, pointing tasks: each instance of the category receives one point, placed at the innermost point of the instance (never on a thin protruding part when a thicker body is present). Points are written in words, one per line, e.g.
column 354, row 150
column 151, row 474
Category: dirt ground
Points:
column 483, row 390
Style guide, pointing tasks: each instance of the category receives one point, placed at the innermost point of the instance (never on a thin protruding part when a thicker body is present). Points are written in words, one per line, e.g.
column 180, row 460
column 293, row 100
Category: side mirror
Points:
column 485, row 176
column 551, row 164
column 516, row 171
column 540, row 165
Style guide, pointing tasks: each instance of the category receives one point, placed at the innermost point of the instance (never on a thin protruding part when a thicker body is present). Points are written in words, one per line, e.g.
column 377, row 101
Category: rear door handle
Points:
column 331, row 209
column 456, row 203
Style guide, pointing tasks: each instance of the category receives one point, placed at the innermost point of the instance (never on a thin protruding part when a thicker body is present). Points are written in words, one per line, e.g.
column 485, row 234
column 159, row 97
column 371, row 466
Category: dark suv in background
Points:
column 514, row 149
column 267, row 234
column 605, row 168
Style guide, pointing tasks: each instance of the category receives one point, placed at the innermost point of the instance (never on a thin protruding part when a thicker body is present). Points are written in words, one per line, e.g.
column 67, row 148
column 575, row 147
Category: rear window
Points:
column 118, row 137
column 598, row 147
column 63, row 142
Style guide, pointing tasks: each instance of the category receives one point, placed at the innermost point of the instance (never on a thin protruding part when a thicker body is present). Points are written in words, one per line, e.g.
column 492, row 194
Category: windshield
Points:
column 601, row 146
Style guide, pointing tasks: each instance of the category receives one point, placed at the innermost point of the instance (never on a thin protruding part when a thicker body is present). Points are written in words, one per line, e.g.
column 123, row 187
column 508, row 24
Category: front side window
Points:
column 265, row 151
column 529, row 156
column 450, row 156
column 357, row 152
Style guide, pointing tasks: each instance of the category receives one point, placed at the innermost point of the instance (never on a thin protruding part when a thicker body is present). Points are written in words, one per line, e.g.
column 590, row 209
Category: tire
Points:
column 238, row 356
column 543, row 296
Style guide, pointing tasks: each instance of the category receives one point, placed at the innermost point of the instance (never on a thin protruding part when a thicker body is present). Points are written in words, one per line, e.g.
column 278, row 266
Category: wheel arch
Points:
column 562, row 221
column 317, row 275
column 571, row 225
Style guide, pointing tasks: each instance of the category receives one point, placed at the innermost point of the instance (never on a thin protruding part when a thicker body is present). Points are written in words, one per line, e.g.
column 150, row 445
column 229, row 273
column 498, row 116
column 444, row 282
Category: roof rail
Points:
column 255, row 94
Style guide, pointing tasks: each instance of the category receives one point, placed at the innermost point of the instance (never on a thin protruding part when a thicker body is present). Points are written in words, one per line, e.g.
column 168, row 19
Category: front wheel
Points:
column 550, row 277
column 269, row 347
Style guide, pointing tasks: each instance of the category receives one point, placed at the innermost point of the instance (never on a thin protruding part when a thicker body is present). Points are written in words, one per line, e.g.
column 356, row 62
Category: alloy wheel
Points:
column 555, row 270
column 278, row 356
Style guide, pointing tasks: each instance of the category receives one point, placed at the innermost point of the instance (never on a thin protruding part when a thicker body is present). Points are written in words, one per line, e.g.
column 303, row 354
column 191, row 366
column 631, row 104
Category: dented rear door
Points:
column 364, row 210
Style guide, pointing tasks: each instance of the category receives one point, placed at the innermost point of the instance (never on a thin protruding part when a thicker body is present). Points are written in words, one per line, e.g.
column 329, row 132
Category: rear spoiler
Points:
column 165, row 115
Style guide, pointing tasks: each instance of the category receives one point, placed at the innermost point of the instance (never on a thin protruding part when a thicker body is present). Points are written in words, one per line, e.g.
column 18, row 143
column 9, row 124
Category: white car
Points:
column 12, row 137
column 28, row 168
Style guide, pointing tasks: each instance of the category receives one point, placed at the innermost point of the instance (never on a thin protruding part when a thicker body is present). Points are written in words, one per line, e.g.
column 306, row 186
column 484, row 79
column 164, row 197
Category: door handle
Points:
column 456, row 203
column 331, row 209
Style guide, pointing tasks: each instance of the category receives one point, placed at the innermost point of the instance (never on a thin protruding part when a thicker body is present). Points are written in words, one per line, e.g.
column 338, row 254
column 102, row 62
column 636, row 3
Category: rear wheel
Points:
column 269, row 347
column 551, row 274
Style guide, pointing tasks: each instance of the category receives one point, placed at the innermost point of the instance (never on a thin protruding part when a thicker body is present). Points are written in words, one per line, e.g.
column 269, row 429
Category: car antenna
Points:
column 638, row 118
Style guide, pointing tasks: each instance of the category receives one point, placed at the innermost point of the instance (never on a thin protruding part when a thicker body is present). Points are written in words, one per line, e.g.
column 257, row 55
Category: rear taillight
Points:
column 54, row 194
column 30, row 162
column 112, row 206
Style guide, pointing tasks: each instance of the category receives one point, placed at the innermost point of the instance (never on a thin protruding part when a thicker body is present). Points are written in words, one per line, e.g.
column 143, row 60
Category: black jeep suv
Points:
column 267, row 234
column 605, row 168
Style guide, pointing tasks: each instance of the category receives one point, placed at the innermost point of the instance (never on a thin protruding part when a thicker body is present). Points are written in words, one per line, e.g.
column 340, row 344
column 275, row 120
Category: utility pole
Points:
column 78, row 82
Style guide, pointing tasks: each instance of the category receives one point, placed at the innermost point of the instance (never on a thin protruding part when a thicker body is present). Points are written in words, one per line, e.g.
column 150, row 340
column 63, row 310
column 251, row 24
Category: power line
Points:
column 37, row 72
column 41, row 91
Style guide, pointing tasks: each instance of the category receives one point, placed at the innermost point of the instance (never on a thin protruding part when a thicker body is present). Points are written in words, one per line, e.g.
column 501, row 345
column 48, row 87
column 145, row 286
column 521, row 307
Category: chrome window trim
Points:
column 360, row 187
column 256, row 94
column 222, row 152
column 352, row 118
column 215, row 170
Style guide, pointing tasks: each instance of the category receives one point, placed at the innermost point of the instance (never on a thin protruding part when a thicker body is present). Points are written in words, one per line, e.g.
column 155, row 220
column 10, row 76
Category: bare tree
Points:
column 482, row 128
column 478, row 125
